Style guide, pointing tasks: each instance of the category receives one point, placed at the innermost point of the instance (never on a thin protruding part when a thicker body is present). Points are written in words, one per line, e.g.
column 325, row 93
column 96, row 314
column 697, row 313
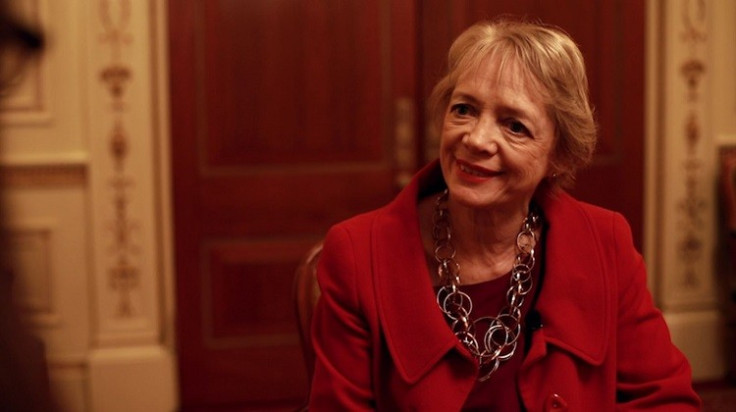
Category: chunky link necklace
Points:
column 498, row 344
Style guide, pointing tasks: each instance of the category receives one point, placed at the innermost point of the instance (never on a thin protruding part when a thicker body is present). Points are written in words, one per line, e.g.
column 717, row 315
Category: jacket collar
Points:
column 415, row 330
column 575, row 303
column 416, row 333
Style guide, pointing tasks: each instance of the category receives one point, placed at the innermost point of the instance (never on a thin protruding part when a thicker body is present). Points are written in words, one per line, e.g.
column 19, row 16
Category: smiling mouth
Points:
column 475, row 171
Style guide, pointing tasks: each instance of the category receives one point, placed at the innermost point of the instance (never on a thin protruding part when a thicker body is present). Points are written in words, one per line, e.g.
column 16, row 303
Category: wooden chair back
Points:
column 306, row 292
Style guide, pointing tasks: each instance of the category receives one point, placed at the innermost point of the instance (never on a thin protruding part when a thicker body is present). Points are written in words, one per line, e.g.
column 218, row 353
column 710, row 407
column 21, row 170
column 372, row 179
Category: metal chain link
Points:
column 500, row 339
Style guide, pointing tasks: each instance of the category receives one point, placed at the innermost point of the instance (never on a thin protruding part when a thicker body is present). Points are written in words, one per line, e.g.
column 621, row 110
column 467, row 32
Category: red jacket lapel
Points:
column 574, row 303
column 416, row 333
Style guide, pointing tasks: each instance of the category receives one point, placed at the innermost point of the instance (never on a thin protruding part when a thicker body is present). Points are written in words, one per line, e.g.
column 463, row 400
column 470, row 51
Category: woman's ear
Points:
column 554, row 170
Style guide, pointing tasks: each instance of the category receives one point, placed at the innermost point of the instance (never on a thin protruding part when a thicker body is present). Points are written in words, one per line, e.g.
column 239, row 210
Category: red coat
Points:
column 382, row 343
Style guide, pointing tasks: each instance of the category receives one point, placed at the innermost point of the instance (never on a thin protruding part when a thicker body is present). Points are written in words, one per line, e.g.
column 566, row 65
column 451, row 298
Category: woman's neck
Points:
column 485, row 239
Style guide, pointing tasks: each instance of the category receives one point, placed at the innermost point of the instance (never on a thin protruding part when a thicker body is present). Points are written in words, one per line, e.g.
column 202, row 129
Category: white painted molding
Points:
column 723, row 58
column 57, row 166
column 699, row 335
column 726, row 139
column 27, row 100
column 67, row 360
column 126, row 273
column 680, row 198
column 30, row 250
column 70, row 158
column 69, row 387
column 652, row 142
column 132, row 364
column 162, row 133
column 686, row 225
column 132, row 379
column 45, row 115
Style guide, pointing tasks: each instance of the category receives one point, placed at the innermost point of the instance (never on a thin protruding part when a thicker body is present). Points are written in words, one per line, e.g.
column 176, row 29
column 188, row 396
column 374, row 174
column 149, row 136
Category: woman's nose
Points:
column 483, row 137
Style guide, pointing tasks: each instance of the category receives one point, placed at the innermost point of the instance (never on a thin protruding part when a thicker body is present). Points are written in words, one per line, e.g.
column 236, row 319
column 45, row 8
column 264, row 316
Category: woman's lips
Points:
column 475, row 171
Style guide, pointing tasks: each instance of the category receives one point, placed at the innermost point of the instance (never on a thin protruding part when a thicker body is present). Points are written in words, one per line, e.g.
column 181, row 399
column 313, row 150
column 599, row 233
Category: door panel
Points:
column 282, row 120
column 291, row 83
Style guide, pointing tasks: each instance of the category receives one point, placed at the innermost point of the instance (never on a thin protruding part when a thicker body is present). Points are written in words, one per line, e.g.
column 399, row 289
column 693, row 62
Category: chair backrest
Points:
column 306, row 292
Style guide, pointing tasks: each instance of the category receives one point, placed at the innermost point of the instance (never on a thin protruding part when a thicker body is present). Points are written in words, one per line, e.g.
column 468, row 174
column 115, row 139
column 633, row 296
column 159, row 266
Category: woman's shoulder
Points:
column 563, row 203
column 360, row 222
column 609, row 225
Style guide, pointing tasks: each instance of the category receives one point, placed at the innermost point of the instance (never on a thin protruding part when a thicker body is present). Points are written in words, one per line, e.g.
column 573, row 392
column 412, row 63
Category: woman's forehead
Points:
column 501, row 68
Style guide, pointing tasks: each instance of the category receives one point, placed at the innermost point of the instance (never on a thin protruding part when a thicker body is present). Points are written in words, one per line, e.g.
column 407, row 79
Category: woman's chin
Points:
column 472, row 197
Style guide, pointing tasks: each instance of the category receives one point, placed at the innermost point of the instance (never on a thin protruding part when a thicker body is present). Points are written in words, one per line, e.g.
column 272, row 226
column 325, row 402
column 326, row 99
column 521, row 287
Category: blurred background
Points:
column 167, row 164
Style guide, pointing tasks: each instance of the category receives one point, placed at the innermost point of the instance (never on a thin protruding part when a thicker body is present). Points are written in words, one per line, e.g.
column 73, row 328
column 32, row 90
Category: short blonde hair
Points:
column 548, row 57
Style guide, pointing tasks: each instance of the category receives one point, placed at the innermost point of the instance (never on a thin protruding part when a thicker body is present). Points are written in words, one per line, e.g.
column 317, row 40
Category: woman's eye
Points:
column 461, row 109
column 517, row 127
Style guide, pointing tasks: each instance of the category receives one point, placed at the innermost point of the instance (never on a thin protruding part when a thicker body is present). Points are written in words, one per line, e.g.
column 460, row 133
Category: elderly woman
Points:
column 483, row 285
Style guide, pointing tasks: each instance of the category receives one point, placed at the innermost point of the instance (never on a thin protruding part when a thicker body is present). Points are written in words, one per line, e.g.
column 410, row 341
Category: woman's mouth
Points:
column 475, row 170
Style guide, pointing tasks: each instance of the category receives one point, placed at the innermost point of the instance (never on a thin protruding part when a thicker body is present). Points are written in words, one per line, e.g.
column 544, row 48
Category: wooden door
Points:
column 284, row 116
column 611, row 35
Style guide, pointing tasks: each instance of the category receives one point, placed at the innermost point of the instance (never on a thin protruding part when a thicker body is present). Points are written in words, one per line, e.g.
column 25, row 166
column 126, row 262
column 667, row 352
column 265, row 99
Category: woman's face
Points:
column 497, row 138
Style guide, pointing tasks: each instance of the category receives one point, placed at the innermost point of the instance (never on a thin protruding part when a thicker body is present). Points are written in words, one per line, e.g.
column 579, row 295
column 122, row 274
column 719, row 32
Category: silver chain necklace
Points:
column 499, row 342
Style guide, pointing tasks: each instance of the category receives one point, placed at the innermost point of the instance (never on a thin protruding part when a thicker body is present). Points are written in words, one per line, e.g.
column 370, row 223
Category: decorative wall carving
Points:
column 692, row 206
column 124, row 275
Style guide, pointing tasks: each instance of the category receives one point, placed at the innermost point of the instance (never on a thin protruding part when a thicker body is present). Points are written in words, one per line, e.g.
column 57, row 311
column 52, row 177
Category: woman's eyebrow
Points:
column 464, row 96
column 505, row 108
